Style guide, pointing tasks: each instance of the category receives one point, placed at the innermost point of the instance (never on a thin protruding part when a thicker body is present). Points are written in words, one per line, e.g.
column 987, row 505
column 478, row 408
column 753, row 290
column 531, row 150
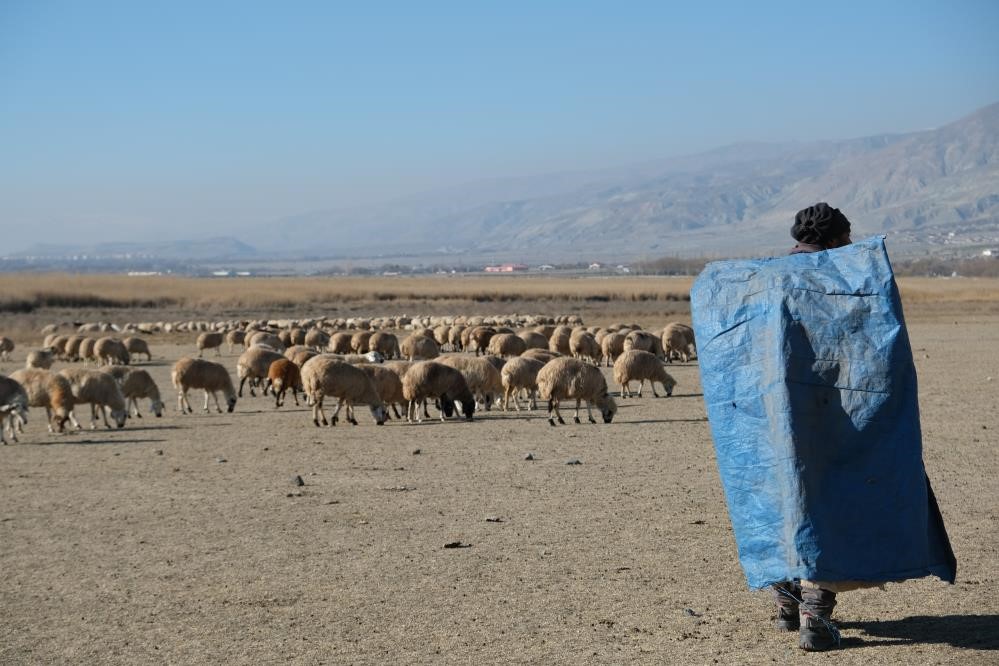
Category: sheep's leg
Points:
column 553, row 408
column 240, row 392
column 533, row 398
column 575, row 417
column 218, row 407
column 336, row 412
column 641, row 385
column 104, row 409
column 350, row 413
column 626, row 389
column 72, row 419
column 395, row 410
column 294, row 394
column 652, row 384
column 409, row 411
column 589, row 411
column 317, row 409
column 218, row 351
column 135, row 404
column 206, row 399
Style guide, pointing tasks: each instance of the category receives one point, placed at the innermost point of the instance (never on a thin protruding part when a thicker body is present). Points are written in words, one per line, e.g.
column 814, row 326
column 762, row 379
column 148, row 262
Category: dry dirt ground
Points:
column 183, row 539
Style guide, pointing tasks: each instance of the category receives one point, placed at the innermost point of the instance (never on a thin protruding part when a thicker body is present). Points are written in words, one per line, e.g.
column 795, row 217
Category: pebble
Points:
column 574, row 461
column 416, row 452
column 529, row 456
column 221, row 460
column 159, row 452
column 297, row 480
column 494, row 519
column 457, row 544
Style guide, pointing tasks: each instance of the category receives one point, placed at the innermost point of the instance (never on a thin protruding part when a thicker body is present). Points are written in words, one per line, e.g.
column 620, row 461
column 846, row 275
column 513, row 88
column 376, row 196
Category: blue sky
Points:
column 167, row 117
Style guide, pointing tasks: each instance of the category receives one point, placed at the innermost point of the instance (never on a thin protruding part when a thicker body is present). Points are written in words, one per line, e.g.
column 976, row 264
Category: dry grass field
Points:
column 183, row 540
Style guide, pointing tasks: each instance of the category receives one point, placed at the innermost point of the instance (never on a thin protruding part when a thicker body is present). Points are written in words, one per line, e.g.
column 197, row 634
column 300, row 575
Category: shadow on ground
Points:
column 970, row 632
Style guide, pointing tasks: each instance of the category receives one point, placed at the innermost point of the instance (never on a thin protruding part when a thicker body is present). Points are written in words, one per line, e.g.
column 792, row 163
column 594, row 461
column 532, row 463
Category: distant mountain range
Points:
column 925, row 189
column 741, row 197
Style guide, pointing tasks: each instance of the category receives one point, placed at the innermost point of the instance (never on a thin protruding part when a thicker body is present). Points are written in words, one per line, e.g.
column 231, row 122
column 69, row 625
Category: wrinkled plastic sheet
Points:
column 811, row 396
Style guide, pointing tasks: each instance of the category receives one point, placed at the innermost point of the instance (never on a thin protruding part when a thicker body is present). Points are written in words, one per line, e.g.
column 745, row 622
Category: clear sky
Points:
column 182, row 117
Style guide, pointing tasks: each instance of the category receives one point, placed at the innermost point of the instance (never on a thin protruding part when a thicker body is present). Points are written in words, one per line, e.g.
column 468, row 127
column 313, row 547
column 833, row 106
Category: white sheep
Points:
column 388, row 384
column 101, row 391
column 40, row 358
column 324, row 376
column 136, row 383
column 506, row 344
column 678, row 339
column 429, row 379
column 195, row 373
column 135, row 345
column 86, row 350
column 641, row 366
column 520, row 374
column 13, row 407
column 569, row 378
column 386, row 344
column 418, row 347
column 533, row 340
column 481, row 376
column 111, row 351
column 584, row 346
column 235, row 337
column 49, row 390
column 644, row 341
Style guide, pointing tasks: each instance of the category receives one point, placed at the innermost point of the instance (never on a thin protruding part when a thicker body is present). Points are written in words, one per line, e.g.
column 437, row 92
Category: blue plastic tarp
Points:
column 811, row 396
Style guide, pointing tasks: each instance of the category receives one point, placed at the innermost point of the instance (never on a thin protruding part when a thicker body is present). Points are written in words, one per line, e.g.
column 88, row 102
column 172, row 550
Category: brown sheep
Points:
column 429, row 379
column 283, row 375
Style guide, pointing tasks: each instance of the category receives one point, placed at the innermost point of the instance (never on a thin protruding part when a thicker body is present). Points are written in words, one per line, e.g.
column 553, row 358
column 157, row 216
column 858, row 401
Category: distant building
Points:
column 596, row 266
column 991, row 252
column 505, row 268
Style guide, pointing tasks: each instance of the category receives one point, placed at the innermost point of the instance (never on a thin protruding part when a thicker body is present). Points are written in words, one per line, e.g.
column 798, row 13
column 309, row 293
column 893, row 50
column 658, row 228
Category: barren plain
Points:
column 183, row 539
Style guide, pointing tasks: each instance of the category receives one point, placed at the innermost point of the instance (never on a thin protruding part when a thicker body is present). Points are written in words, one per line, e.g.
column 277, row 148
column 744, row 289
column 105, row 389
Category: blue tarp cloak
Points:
column 811, row 396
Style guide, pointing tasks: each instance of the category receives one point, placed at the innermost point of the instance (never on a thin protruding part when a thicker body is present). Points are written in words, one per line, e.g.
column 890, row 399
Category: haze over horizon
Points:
column 127, row 121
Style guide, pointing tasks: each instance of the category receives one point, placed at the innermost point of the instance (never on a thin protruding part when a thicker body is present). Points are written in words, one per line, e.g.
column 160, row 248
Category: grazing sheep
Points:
column 442, row 335
column 49, row 390
column 520, row 374
column 559, row 342
column 545, row 330
column 454, row 337
column 40, row 358
column 481, row 376
column 317, row 339
column 6, row 347
column 429, row 379
column 253, row 364
column 678, row 339
column 235, row 337
column 136, row 345
column 612, row 346
column 324, row 376
column 195, row 373
column 388, row 384
column 419, row 347
column 58, row 344
column 506, row 344
column 533, row 340
column 584, row 346
column 542, row 355
column 13, row 407
column 644, row 341
column 385, row 344
column 72, row 349
column 479, row 338
column 284, row 374
column 136, row 383
column 86, row 351
column 111, row 351
column 211, row 340
column 642, row 366
column 565, row 378
column 299, row 355
column 359, row 342
column 340, row 342
column 265, row 339
column 101, row 391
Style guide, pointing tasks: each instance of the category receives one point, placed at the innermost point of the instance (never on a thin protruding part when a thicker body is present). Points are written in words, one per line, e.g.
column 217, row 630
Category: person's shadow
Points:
column 969, row 632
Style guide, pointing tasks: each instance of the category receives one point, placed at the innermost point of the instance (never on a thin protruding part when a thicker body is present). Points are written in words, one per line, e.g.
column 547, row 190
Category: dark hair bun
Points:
column 819, row 224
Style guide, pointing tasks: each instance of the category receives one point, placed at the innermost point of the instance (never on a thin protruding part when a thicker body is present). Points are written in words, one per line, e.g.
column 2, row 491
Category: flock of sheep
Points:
column 460, row 364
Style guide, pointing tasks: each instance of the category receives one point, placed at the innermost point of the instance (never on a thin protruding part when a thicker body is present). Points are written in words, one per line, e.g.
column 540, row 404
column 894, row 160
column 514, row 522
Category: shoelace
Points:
column 811, row 612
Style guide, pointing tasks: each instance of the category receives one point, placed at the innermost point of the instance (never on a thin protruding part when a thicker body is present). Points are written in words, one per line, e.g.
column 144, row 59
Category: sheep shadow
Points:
column 646, row 421
column 75, row 441
column 968, row 632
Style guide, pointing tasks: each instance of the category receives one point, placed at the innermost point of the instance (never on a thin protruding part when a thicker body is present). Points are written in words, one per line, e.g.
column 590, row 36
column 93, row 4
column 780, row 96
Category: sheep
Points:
column 111, row 351
column 644, row 341
column 13, row 407
column 86, row 351
column 323, row 376
column 429, row 379
column 235, row 337
column 419, row 347
column 317, row 339
column 49, row 390
column 479, row 338
column 264, row 339
column 442, row 335
column 385, row 344
column 58, row 344
column 6, row 347
column 533, row 340
column 584, row 346
column 136, row 345
column 559, row 342
column 40, row 358
column 506, row 344
column 643, row 366
column 282, row 375
column 678, row 339
column 612, row 346
column 481, row 376
column 359, row 342
column 454, row 336
column 211, row 340
column 195, row 373
column 542, row 355
column 72, row 349
column 101, row 391
column 388, row 384
column 299, row 354
column 340, row 342
column 136, row 383
column 253, row 364
column 520, row 374
column 563, row 378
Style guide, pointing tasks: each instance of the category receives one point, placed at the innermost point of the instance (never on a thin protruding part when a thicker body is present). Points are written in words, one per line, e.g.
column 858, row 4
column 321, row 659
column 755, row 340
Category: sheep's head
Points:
column 380, row 413
column 446, row 405
column 608, row 408
column 119, row 416
column 468, row 408
column 157, row 407
column 231, row 402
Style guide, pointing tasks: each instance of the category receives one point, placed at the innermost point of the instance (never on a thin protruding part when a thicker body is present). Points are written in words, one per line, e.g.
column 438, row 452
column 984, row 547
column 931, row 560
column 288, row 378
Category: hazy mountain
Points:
column 738, row 197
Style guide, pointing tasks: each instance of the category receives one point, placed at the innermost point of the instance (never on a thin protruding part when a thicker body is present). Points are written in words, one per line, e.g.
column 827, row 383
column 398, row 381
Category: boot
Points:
column 817, row 633
column 786, row 597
